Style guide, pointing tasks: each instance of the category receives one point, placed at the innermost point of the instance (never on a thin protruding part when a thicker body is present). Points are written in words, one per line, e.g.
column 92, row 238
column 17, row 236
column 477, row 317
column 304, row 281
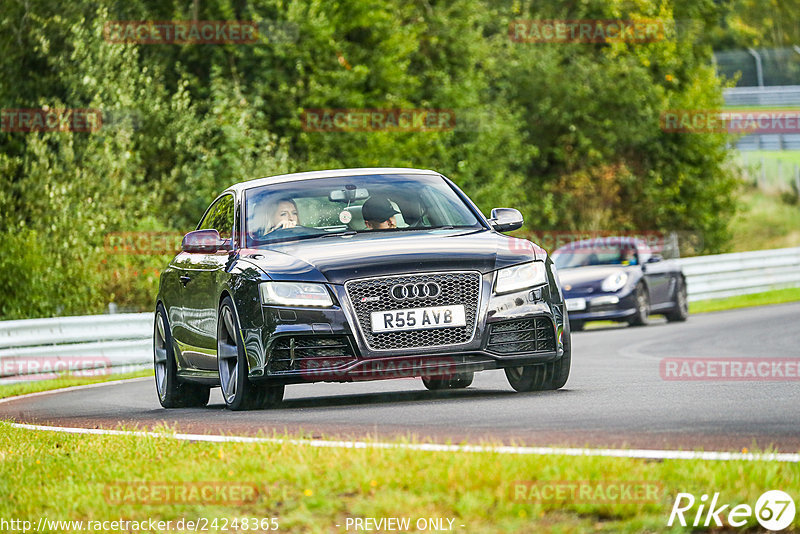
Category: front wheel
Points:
column 681, row 310
column 238, row 391
column 459, row 381
column 171, row 392
column 542, row 376
column 642, row 302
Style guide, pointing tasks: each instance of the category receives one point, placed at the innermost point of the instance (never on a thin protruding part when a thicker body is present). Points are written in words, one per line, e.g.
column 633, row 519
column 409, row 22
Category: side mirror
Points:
column 207, row 241
column 655, row 258
column 505, row 219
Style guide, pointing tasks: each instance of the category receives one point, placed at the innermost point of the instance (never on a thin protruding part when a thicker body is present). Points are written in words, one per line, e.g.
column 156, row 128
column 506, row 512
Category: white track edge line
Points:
column 74, row 388
column 652, row 454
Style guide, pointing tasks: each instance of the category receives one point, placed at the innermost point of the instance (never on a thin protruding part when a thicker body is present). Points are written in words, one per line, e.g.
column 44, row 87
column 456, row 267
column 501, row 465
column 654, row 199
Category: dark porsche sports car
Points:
column 355, row 274
column 619, row 279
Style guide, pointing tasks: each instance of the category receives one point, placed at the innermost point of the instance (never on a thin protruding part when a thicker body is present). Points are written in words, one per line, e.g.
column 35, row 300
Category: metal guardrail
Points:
column 740, row 273
column 94, row 344
column 765, row 97
column 120, row 342
column 771, row 96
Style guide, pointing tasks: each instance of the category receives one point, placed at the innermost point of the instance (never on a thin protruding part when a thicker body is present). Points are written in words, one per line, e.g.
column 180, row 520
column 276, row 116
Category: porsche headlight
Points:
column 614, row 282
column 295, row 294
column 520, row 277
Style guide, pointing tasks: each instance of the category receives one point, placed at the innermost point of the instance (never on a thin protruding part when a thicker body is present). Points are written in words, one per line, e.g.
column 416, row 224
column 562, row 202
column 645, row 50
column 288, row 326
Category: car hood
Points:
column 337, row 259
column 590, row 275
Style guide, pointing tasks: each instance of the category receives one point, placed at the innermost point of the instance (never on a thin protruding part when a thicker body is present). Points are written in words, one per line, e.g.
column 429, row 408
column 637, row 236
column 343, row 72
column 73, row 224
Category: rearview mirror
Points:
column 505, row 219
column 202, row 241
column 350, row 193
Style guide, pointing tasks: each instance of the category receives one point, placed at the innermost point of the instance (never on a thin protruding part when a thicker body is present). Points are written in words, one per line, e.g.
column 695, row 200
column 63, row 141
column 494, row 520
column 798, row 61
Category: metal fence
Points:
column 741, row 273
column 95, row 344
column 765, row 97
column 112, row 343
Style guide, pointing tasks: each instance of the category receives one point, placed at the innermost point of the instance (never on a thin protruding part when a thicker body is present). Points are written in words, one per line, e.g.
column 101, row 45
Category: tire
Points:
column 172, row 393
column 460, row 381
column 238, row 392
column 543, row 376
column 463, row 380
column 681, row 310
column 641, row 317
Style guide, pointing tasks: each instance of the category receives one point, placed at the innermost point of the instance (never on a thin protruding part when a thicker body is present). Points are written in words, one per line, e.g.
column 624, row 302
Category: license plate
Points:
column 418, row 318
column 576, row 304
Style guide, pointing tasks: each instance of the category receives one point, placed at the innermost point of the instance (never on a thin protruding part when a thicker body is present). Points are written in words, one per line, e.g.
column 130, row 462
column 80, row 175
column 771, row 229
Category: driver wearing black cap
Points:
column 379, row 213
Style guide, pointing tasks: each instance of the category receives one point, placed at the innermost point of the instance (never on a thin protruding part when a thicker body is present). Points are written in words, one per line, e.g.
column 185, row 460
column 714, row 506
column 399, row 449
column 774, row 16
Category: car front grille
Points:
column 374, row 294
column 534, row 334
column 308, row 353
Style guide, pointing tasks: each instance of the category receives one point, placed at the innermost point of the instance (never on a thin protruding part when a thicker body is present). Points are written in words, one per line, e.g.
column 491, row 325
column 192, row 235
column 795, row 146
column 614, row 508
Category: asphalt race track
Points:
column 615, row 397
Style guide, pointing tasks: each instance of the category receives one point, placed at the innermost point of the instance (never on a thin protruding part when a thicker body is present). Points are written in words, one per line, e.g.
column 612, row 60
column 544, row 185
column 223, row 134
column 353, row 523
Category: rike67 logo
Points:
column 774, row 510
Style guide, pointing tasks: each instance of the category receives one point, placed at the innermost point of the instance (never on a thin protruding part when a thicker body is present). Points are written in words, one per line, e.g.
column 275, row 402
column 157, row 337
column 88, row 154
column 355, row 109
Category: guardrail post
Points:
column 797, row 181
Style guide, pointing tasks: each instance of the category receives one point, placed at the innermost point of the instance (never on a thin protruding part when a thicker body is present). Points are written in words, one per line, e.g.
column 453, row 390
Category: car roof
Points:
column 312, row 175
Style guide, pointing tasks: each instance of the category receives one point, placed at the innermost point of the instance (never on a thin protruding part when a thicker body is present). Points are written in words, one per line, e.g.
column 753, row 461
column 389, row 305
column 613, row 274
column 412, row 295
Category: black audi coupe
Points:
column 354, row 274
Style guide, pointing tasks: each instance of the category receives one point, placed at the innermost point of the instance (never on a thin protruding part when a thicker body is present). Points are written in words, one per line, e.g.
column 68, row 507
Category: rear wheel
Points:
column 171, row 392
column 542, row 376
column 681, row 310
column 459, row 381
column 238, row 391
column 642, row 301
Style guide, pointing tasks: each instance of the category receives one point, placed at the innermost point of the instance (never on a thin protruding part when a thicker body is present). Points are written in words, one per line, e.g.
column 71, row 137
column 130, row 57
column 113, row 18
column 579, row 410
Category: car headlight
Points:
column 614, row 282
column 295, row 294
column 520, row 277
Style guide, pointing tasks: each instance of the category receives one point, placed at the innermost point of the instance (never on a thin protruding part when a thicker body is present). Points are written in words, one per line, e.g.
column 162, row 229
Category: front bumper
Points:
column 310, row 345
column 604, row 306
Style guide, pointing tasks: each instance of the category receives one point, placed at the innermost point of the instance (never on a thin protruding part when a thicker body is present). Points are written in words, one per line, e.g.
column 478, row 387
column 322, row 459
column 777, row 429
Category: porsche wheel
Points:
column 642, row 300
column 681, row 310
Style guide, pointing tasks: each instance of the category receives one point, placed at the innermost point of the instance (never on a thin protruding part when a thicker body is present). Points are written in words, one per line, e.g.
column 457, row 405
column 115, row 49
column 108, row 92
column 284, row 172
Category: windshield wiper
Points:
column 347, row 232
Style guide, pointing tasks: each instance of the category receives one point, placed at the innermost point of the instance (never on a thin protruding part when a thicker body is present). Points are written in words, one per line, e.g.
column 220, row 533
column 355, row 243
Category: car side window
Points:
column 220, row 217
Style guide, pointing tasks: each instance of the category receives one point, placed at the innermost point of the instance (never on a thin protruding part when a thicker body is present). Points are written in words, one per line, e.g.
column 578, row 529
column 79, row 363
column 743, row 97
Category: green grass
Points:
column 34, row 386
column 777, row 296
column 764, row 222
column 773, row 169
column 63, row 476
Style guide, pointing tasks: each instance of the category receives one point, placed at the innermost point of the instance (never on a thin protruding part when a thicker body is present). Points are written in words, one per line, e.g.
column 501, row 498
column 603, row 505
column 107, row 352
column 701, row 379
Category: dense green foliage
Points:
column 568, row 133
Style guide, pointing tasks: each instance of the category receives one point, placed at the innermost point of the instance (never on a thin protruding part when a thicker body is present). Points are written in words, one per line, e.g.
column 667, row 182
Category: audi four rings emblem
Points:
column 416, row 291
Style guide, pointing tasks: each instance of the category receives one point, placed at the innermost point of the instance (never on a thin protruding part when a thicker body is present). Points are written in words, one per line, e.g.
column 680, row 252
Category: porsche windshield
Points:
column 378, row 203
column 568, row 258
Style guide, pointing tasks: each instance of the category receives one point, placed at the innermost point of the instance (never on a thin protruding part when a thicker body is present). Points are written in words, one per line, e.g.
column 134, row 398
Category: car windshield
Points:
column 581, row 256
column 352, row 204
